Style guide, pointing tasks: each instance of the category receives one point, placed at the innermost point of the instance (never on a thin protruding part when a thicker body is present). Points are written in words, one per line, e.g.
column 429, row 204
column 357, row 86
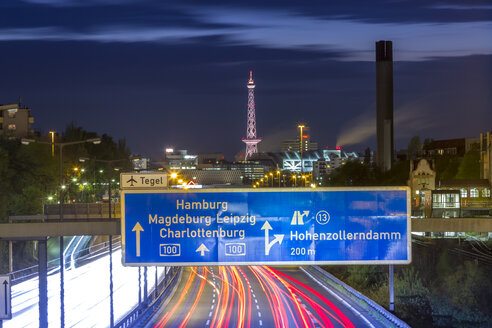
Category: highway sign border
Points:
column 263, row 190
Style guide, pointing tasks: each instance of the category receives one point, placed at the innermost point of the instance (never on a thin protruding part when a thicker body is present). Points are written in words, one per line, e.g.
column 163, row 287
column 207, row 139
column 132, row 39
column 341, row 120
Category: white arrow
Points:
column 202, row 249
column 278, row 238
column 138, row 228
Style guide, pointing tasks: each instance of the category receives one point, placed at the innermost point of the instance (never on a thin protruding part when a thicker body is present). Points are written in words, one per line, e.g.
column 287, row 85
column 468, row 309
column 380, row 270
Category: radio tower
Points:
column 251, row 141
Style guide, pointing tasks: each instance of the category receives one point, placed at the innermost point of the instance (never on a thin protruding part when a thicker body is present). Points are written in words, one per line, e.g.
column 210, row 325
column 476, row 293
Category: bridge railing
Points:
column 83, row 210
column 142, row 312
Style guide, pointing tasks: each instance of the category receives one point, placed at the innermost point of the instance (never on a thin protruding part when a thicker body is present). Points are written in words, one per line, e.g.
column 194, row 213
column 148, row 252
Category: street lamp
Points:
column 108, row 163
column 301, row 126
column 173, row 176
column 271, row 174
column 278, row 177
column 60, row 145
column 295, row 180
column 52, row 143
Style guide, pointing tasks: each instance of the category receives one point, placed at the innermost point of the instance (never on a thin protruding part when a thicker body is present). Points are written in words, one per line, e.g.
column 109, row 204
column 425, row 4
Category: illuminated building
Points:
column 320, row 169
column 15, row 121
column 295, row 144
column 251, row 141
column 207, row 177
column 180, row 160
column 291, row 161
column 249, row 171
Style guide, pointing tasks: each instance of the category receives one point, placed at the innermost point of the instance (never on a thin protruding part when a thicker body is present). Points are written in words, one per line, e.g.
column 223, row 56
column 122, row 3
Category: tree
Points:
column 414, row 148
column 469, row 167
column 352, row 173
column 446, row 166
column 397, row 175
column 413, row 298
column 367, row 156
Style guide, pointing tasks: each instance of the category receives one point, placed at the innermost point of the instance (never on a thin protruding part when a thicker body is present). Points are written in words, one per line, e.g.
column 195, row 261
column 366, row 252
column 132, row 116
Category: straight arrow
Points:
column 5, row 283
column 138, row 228
column 202, row 249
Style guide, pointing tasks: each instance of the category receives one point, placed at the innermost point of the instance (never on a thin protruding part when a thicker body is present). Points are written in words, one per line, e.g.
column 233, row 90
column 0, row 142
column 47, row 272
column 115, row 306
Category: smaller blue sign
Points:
column 273, row 226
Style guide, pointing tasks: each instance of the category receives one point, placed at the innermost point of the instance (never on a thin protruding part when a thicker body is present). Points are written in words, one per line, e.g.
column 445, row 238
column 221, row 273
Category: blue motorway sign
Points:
column 269, row 226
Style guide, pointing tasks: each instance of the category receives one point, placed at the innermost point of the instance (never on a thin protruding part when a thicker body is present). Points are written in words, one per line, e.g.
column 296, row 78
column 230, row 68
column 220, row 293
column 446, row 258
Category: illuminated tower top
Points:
column 251, row 82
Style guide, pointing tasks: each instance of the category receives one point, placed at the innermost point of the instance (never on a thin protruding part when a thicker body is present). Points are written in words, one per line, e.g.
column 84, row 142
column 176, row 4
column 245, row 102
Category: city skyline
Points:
column 176, row 74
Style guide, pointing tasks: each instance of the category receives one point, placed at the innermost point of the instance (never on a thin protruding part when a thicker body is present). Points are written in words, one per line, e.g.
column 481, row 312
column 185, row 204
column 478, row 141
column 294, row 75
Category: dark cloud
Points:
column 175, row 73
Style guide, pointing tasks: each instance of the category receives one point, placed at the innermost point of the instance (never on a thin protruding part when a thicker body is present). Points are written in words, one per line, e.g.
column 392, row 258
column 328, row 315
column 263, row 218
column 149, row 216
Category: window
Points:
column 486, row 192
column 12, row 112
column 12, row 127
column 464, row 193
column 474, row 192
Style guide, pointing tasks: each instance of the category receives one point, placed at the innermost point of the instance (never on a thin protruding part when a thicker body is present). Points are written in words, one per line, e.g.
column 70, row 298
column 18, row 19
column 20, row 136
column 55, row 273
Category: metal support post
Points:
column 139, row 286
column 391, row 291
column 111, row 311
column 11, row 258
column 43, row 283
column 62, row 247
column 145, row 285
column 156, row 282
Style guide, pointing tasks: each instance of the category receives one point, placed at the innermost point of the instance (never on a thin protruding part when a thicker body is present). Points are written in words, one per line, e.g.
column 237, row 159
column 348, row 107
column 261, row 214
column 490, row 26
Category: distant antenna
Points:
column 20, row 101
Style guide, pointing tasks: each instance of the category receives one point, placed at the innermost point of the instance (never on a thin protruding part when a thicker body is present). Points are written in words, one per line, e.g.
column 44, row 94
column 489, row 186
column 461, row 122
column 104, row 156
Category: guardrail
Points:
column 142, row 312
column 365, row 302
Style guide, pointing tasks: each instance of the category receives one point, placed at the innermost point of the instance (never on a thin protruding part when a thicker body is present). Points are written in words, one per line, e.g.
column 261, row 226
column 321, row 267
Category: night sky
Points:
column 174, row 73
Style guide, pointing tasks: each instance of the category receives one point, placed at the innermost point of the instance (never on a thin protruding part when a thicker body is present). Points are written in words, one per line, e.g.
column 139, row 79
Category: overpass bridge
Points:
column 93, row 220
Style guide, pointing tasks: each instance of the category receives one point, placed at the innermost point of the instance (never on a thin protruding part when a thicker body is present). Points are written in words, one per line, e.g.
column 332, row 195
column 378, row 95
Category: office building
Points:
column 295, row 144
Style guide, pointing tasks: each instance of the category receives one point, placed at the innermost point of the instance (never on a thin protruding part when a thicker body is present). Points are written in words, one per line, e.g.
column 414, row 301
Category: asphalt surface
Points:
column 257, row 296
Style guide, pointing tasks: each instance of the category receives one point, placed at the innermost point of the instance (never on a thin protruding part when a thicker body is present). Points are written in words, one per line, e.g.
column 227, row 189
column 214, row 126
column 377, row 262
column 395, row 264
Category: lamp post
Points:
column 60, row 145
column 278, row 177
column 301, row 126
column 271, row 174
column 109, row 164
column 295, row 180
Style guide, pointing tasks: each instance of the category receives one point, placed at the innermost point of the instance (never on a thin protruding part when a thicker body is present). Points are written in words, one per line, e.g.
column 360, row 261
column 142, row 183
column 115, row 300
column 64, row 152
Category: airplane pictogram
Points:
column 131, row 181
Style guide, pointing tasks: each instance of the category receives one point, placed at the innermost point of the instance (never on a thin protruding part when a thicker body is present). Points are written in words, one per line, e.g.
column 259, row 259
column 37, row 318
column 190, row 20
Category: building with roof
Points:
column 458, row 147
column 179, row 160
column 15, row 121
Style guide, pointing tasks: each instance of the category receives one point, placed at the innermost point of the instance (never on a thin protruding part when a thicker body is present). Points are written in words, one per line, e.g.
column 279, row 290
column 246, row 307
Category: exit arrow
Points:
column 5, row 284
column 138, row 228
column 278, row 238
column 202, row 249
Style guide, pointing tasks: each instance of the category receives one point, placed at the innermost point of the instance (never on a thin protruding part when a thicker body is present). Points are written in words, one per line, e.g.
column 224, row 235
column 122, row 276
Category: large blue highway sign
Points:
column 269, row 226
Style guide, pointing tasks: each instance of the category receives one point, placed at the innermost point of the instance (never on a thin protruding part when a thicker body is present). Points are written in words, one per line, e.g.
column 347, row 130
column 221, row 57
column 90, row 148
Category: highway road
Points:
column 86, row 295
column 256, row 296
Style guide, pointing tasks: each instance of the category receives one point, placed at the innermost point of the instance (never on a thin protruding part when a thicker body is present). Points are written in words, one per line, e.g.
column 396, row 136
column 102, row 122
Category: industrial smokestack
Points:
column 384, row 104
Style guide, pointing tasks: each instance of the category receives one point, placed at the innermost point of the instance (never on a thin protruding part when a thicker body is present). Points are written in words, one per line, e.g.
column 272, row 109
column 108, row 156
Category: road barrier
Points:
column 140, row 314
column 389, row 319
